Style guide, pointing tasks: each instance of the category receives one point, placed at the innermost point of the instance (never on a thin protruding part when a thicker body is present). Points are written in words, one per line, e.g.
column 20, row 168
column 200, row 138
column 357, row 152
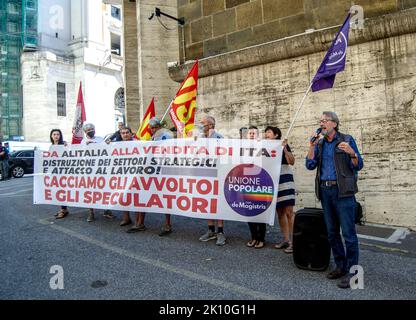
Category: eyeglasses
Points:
column 325, row 120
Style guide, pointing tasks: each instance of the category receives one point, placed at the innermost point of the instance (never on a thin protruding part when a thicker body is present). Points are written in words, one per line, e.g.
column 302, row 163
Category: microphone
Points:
column 318, row 132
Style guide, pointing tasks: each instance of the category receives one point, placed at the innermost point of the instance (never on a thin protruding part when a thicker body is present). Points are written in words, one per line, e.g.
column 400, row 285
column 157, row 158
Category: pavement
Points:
column 101, row 261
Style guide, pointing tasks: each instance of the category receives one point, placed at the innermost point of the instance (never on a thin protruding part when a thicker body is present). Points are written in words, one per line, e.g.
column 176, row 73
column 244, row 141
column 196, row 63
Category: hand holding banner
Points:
column 223, row 179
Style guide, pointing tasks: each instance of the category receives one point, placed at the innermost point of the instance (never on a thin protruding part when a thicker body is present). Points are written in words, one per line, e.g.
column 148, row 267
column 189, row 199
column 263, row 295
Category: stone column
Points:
column 157, row 46
column 131, row 77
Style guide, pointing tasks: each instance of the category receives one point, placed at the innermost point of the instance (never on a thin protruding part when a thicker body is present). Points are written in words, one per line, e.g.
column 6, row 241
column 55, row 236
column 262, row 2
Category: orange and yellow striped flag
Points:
column 183, row 107
column 144, row 131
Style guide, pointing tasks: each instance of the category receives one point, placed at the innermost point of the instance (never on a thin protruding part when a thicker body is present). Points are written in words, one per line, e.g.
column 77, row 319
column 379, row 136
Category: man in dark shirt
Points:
column 116, row 136
column 337, row 160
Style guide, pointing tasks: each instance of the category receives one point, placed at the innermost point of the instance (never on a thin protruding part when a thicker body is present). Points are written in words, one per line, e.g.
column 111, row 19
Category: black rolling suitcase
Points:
column 311, row 248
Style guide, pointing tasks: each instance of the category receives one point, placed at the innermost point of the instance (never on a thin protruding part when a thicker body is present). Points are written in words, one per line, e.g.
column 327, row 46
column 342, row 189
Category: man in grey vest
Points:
column 337, row 160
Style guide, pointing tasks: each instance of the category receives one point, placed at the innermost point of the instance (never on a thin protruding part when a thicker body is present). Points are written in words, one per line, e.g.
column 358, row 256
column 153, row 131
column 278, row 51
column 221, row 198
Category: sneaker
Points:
column 108, row 214
column 208, row 236
column 91, row 217
column 165, row 231
column 336, row 274
column 289, row 249
column 220, row 239
column 344, row 283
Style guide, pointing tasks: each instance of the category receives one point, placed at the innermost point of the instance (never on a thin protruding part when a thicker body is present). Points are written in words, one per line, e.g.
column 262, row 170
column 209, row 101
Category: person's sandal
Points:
column 282, row 245
column 165, row 231
column 62, row 214
column 125, row 223
column 138, row 228
column 289, row 249
column 251, row 243
column 259, row 245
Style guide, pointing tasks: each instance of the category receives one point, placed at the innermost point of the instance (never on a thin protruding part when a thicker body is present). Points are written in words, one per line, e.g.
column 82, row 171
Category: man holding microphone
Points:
column 337, row 160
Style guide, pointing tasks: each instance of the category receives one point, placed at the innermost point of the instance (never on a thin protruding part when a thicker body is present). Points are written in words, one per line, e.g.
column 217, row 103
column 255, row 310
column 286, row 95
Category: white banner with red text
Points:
column 225, row 179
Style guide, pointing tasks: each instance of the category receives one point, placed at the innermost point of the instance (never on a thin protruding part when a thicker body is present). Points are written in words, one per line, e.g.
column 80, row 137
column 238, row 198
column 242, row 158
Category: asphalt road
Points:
column 101, row 261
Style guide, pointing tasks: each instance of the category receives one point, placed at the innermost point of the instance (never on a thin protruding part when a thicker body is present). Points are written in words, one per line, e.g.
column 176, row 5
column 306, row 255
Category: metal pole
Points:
column 297, row 112
column 167, row 110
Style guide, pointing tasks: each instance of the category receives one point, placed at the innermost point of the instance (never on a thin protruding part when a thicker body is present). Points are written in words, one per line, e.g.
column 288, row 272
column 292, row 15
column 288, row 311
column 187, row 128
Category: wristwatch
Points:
column 354, row 156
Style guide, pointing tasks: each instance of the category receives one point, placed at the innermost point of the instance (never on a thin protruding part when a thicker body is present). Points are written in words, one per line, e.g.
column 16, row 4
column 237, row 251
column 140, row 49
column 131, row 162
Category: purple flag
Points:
column 334, row 60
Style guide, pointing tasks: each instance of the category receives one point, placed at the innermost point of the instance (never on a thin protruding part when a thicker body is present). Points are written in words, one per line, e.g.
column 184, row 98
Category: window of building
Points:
column 61, row 99
column 12, row 27
column 116, row 12
column 115, row 44
column 14, row 125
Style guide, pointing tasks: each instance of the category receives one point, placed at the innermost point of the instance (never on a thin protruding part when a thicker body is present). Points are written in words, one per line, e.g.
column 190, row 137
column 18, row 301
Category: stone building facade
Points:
column 256, row 62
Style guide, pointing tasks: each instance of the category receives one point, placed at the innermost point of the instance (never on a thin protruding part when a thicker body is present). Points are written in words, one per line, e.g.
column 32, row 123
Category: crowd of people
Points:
column 334, row 156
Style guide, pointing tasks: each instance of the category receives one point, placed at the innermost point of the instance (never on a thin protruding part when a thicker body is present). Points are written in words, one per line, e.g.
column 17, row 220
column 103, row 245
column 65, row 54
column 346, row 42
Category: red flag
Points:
column 144, row 131
column 182, row 111
column 79, row 119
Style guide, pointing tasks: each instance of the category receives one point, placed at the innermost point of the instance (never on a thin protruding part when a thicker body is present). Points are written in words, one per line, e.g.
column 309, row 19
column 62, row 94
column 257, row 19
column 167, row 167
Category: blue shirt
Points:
column 328, row 167
column 215, row 135
column 162, row 134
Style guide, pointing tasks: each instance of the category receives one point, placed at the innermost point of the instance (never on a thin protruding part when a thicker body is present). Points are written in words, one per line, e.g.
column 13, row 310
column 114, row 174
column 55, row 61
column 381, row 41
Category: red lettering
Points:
column 199, row 205
column 213, row 206
column 47, row 154
column 134, row 184
column 170, row 187
column 191, row 184
column 87, row 197
column 154, row 201
column 169, row 199
column 126, row 202
column 220, row 151
column 60, row 195
column 203, row 150
column 215, row 187
column 106, row 198
column 145, row 183
column 201, row 184
column 159, row 183
column 137, row 202
column 118, row 183
column 48, row 194
column 96, row 196
column 187, row 203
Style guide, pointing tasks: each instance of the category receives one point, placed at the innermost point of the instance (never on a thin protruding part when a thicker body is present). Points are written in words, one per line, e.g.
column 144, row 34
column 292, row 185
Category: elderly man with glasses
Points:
column 337, row 160
column 207, row 130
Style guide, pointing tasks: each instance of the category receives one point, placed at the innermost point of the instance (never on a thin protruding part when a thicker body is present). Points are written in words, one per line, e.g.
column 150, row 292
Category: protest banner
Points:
column 224, row 179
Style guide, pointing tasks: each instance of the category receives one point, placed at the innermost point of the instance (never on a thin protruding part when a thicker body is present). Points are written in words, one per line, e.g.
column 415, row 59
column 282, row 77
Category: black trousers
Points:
column 257, row 230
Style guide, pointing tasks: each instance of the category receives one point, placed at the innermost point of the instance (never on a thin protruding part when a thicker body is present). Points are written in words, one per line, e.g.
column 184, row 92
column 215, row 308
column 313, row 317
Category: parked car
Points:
column 21, row 163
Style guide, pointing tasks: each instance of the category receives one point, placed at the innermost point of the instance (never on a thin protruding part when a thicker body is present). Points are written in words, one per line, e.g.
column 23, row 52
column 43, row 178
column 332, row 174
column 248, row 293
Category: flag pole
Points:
column 166, row 112
column 297, row 112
